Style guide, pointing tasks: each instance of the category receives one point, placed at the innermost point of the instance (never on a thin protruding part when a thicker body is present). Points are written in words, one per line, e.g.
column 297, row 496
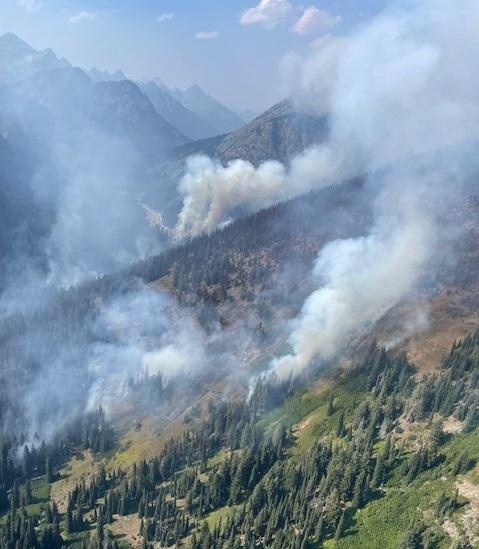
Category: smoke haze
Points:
column 400, row 96
column 403, row 102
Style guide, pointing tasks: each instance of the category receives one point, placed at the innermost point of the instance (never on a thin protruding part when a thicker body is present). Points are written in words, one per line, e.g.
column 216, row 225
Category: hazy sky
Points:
column 232, row 48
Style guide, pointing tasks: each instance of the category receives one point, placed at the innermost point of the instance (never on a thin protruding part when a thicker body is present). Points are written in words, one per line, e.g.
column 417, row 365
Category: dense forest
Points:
column 240, row 464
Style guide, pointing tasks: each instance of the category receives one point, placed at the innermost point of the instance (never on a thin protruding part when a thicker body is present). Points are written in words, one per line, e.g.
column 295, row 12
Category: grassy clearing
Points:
column 40, row 495
column 126, row 530
column 220, row 515
column 318, row 424
column 143, row 441
column 82, row 466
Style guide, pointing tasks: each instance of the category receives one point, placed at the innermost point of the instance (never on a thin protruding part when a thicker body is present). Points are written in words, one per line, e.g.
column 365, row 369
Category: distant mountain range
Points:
column 193, row 113
column 172, row 110
column 160, row 122
column 118, row 108
column 62, row 120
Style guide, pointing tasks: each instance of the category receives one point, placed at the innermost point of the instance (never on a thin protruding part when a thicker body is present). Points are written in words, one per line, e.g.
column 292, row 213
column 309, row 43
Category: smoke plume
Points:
column 401, row 99
column 399, row 87
column 212, row 191
column 127, row 340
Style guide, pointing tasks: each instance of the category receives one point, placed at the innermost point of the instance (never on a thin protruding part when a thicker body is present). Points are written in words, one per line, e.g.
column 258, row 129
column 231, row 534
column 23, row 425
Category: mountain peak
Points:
column 98, row 75
column 195, row 89
column 12, row 43
column 209, row 108
column 159, row 83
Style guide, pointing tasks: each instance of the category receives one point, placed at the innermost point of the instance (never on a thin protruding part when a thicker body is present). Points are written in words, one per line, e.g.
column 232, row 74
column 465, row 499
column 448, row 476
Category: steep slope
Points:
column 373, row 447
column 20, row 241
column 64, row 92
column 117, row 107
column 25, row 217
column 189, row 123
column 74, row 99
column 278, row 134
column 209, row 109
column 124, row 109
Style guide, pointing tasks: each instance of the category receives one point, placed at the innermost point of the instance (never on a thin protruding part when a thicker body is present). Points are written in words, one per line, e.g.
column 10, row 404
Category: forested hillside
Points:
column 307, row 463
column 371, row 457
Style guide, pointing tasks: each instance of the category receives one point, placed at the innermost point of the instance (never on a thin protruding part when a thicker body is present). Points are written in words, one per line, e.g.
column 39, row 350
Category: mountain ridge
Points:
column 18, row 60
column 175, row 113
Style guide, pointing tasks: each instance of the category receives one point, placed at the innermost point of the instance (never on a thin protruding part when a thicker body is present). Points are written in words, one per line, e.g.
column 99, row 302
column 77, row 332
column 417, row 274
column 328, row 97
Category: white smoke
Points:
column 144, row 334
column 359, row 280
column 400, row 86
column 404, row 90
column 401, row 95
column 211, row 191
column 139, row 335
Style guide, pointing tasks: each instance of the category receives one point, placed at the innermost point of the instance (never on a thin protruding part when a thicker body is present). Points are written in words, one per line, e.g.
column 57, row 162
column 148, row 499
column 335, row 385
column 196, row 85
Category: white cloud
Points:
column 30, row 6
column 81, row 16
column 315, row 20
column 207, row 35
column 165, row 17
column 268, row 13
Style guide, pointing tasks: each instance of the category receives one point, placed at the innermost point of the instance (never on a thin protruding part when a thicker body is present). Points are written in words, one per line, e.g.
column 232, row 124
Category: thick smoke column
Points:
column 359, row 280
column 401, row 99
column 405, row 99
column 211, row 191
column 399, row 87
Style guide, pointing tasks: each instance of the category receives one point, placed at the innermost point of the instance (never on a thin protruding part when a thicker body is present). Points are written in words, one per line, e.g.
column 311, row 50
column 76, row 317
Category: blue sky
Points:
column 232, row 48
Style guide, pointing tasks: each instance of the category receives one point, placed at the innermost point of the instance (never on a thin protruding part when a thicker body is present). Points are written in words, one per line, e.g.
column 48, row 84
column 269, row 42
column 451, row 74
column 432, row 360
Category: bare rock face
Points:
column 278, row 134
